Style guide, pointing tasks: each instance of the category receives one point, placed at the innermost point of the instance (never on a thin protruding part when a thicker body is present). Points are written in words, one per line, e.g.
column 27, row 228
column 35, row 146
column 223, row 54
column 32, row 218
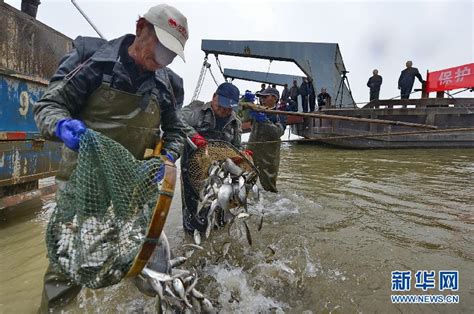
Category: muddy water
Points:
column 343, row 220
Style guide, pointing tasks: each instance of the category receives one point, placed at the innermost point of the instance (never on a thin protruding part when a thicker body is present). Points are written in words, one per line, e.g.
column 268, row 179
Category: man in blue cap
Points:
column 214, row 120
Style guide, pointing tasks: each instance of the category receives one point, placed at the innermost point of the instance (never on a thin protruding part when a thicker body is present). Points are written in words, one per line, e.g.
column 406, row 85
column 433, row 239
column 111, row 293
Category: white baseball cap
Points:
column 171, row 27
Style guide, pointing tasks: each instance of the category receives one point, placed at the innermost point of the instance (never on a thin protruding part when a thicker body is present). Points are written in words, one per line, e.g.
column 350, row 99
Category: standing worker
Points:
column 214, row 120
column 112, row 87
column 267, row 127
column 406, row 80
column 294, row 92
column 304, row 92
column 311, row 95
column 374, row 84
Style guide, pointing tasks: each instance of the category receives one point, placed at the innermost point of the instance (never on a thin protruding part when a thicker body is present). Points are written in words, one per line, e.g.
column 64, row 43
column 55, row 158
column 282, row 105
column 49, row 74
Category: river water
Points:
column 342, row 222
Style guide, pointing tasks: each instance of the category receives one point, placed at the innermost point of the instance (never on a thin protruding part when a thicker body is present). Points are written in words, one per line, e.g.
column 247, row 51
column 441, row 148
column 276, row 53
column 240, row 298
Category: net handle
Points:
column 160, row 213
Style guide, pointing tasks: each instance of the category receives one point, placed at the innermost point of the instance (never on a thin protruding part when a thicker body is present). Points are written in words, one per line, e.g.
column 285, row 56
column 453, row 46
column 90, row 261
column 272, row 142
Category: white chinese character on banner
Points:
column 461, row 73
column 445, row 77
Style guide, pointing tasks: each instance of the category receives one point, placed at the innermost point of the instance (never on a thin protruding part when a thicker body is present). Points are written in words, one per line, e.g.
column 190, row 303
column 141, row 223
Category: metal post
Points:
column 87, row 19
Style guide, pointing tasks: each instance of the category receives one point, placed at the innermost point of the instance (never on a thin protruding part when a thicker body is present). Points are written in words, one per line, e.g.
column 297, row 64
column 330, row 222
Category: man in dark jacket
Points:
column 294, row 92
column 374, row 84
column 214, row 120
column 406, row 80
column 304, row 92
column 324, row 99
column 267, row 127
column 112, row 87
column 285, row 94
column 311, row 95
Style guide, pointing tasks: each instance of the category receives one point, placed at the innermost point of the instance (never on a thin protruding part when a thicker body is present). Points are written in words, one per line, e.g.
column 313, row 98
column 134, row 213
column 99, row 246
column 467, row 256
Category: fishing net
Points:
column 102, row 215
column 202, row 158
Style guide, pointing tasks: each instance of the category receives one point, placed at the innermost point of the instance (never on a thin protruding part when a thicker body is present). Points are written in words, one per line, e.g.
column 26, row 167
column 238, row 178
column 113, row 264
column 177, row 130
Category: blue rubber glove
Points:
column 249, row 96
column 70, row 131
column 160, row 174
column 258, row 116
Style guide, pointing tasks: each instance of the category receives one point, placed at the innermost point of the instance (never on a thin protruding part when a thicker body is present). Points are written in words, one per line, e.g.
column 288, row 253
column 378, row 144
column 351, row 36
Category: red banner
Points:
column 458, row 77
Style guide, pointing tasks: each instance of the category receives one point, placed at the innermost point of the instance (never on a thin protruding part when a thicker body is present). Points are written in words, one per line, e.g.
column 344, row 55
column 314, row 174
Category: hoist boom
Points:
column 320, row 61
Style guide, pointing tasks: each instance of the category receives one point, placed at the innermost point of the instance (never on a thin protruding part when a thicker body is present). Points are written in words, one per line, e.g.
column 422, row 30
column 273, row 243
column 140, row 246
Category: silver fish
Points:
column 178, row 261
column 224, row 196
column 232, row 168
column 194, row 246
column 156, row 275
column 241, row 182
column 260, row 225
column 192, row 285
column 214, row 205
column 206, row 306
column 247, row 233
column 197, row 237
column 209, row 226
column 228, row 179
column 256, row 192
column 242, row 195
column 179, row 288
column 243, row 215
column 225, row 249
column 198, row 295
column 188, row 254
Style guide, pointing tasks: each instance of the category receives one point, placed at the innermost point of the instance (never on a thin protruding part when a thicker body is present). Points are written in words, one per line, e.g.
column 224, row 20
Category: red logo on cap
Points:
column 181, row 29
column 172, row 22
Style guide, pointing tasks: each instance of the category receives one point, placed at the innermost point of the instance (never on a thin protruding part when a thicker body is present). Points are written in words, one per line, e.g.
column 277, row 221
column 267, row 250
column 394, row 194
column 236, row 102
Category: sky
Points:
column 371, row 35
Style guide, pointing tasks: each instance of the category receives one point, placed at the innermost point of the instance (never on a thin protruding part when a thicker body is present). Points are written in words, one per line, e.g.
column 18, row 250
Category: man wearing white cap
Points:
column 122, row 89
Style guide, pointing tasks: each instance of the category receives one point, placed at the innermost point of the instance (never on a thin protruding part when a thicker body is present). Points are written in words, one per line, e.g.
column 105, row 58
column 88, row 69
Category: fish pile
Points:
column 223, row 197
column 87, row 250
column 176, row 291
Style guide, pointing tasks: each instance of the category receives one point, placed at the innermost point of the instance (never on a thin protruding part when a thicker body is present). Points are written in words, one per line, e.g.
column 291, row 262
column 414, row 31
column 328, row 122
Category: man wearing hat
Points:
column 267, row 127
column 214, row 120
column 122, row 89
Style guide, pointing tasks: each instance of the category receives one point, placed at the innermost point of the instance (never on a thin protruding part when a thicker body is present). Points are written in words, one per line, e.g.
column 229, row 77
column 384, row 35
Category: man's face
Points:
column 375, row 72
column 409, row 64
column 268, row 101
column 323, row 90
column 219, row 111
column 145, row 42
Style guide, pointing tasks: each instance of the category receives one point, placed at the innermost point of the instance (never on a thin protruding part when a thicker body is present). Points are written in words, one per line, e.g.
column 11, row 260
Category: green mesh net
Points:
column 102, row 214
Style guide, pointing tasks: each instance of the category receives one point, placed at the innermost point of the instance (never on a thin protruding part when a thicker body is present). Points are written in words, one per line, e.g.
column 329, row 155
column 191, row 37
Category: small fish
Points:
column 170, row 292
column 194, row 246
column 179, row 289
column 214, row 205
column 209, row 227
column 156, row 275
column 157, row 287
column 177, row 273
column 225, row 249
column 192, row 285
column 255, row 192
column 178, row 261
column 242, row 195
column 241, row 182
column 197, row 237
column 206, row 306
column 260, row 225
column 232, row 168
column 198, row 295
column 243, row 215
column 247, row 233
column 224, row 196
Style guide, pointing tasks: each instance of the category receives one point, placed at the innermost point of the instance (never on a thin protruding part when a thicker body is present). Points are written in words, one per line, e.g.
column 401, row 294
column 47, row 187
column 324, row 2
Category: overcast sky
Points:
column 370, row 34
